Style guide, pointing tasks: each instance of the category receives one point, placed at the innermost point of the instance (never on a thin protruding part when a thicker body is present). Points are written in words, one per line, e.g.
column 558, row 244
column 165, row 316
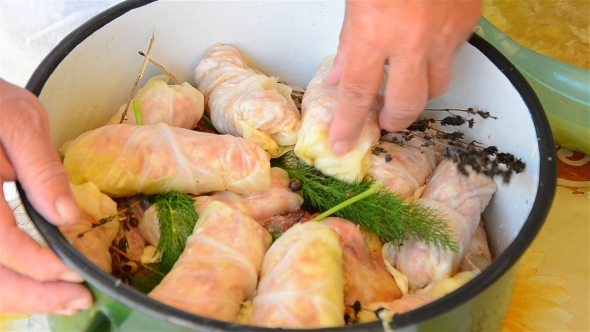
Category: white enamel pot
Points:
column 84, row 80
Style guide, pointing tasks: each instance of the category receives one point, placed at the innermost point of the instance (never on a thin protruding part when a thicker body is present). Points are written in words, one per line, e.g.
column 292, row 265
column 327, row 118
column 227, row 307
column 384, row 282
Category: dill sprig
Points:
column 177, row 218
column 146, row 281
column 384, row 213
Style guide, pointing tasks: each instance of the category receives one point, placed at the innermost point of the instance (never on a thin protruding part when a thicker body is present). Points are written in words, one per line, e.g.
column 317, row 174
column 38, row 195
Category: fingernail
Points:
column 340, row 147
column 79, row 304
column 65, row 312
column 67, row 210
column 70, row 276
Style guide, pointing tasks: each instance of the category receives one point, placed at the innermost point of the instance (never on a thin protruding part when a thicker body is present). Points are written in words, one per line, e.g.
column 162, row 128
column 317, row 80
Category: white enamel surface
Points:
column 288, row 39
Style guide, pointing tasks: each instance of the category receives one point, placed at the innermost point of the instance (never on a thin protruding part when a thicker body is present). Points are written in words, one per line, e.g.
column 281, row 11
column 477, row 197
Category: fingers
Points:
column 24, row 134
column 25, row 256
column 25, row 295
column 359, row 81
column 439, row 74
column 406, row 93
column 335, row 73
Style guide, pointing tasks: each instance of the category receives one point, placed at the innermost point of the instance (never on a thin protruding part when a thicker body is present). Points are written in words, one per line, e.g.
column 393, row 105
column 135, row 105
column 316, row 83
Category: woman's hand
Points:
column 418, row 38
column 32, row 278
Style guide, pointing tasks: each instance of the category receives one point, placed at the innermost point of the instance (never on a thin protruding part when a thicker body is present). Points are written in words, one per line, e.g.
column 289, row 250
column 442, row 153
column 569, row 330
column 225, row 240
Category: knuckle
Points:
column 357, row 98
column 47, row 172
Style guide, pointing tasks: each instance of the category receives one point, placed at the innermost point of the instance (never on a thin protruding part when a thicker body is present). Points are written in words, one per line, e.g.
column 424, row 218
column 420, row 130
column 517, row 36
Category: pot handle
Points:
column 100, row 322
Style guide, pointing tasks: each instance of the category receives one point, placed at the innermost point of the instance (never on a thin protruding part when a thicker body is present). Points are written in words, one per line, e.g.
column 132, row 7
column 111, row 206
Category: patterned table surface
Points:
column 552, row 287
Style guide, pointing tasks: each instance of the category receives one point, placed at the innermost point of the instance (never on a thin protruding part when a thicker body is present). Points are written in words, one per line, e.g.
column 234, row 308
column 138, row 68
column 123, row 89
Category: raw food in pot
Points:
column 123, row 160
column 409, row 302
column 403, row 169
column 176, row 105
column 95, row 242
column 301, row 284
column 247, row 103
column 219, row 267
column 366, row 279
column 318, row 107
column 478, row 256
column 461, row 200
column 259, row 205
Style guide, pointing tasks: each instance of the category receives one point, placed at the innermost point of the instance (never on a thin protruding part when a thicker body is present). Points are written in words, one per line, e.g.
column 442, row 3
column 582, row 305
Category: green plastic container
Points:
column 563, row 89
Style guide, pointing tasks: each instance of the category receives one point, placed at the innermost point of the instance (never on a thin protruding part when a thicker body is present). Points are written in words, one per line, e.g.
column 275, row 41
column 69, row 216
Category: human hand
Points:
column 32, row 278
column 418, row 39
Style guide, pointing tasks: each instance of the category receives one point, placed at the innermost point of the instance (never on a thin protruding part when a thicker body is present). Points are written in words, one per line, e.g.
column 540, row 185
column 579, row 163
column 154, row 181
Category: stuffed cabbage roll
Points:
column 176, row 105
column 123, row 160
column 301, row 284
column 318, row 106
column 259, row 205
column 461, row 200
column 243, row 102
column 468, row 195
column 365, row 277
column 478, row 256
column 403, row 169
column 93, row 242
column 408, row 302
column 422, row 263
column 219, row 267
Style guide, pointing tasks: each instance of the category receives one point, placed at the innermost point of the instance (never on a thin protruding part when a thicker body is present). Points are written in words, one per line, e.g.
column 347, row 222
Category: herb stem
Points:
column 137, row 111
column 372, row 190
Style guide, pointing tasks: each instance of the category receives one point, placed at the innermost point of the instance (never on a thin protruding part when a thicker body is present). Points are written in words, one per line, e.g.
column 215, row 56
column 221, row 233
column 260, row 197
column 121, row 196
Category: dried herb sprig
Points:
column 177, row 218
column 161, row 68
column 390, row 217
column 482, row 114
column 100, row 222
column 484, row 160
column 138, row 78
column 125, row 212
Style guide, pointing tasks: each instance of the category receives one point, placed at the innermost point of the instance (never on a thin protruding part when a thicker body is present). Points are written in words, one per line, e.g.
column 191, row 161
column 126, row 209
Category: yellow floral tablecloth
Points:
column 551, row 292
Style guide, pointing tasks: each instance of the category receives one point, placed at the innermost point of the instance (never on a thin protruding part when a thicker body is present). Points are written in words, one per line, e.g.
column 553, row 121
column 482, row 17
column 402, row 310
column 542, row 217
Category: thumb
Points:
column 24, row 134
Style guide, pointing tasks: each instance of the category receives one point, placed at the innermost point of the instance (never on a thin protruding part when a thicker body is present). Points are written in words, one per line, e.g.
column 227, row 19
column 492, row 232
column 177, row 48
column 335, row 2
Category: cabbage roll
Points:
column 245, row 103
column 123, row 160
column 95, row 207
column 219, row 267
column 176, row 105
column 318, row 106
column 259, row 205
column 461, row 200
column 468, row 195
column 301, row 284
column 422, row 263
column 408, row 302
column 478, row 256
column 365, row 277
column 403, row 169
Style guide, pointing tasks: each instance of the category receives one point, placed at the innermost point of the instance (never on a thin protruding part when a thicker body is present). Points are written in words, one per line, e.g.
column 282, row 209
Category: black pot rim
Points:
column 139, row 301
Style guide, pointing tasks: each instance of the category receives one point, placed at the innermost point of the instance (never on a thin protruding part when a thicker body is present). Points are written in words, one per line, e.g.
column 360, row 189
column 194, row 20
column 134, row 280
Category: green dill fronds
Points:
column 146, row 281
column 352, row 200
column 384, row 213
column 177, row 218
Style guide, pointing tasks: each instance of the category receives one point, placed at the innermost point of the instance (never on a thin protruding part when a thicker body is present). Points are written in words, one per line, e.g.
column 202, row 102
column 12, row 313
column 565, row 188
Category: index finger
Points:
column 362, row 72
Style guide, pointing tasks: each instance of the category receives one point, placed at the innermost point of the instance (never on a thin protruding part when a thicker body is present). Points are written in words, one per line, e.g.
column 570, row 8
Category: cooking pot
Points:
column 84, row 80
